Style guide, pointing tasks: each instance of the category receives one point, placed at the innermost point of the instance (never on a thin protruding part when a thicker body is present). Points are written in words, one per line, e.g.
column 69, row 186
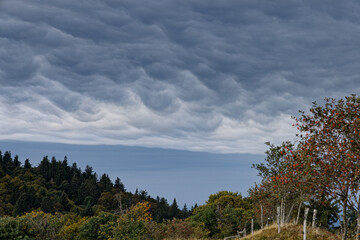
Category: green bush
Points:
column 98, row 227
column 13, row 229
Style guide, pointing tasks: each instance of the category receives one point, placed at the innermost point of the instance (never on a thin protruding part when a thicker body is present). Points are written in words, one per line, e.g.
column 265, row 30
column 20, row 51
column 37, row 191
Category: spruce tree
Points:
column 105, row 183
column 119, row 185
column 27, row 164
column 174, row 210
column 17, row 163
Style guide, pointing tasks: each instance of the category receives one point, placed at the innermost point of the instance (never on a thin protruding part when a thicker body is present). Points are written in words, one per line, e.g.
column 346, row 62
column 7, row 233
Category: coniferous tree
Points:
column 174, row 210
column 88, row 172
column 105, row 183
column 7, row 158
column 119, row 185
column 184, row 212
column 47, row 204
column 143, row 195
column 64, row 201
column 27, row 164
column 26, row 201
column 44, row 168
column 88, row 210
column 7, row 162
column 162, row 210
column 17, row 163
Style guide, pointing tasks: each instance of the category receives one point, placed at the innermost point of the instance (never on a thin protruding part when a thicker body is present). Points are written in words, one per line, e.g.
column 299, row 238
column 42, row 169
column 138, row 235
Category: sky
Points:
column 196, row 78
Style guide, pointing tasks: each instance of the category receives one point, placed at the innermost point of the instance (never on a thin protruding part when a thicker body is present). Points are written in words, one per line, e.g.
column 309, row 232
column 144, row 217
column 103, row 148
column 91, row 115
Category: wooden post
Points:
column 305, row 216
column 358, row 221
column 358, row 227
column 262, row 218
column 281, row 211
column 278, row 218
column 283, row 214
column 314, row 218
column 298, row 215
column 252, row 226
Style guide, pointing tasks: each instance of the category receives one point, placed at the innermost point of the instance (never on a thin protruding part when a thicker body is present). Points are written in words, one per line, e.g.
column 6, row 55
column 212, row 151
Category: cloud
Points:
column 221, row 77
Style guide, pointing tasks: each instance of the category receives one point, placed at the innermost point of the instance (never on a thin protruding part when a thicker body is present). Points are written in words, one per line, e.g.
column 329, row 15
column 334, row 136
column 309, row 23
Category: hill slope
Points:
column 292, row 232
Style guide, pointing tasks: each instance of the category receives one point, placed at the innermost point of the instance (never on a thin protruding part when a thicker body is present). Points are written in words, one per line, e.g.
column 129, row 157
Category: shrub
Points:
column 13, row 228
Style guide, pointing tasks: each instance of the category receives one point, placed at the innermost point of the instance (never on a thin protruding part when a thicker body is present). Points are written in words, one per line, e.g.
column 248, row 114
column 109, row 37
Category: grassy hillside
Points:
column 291, row 232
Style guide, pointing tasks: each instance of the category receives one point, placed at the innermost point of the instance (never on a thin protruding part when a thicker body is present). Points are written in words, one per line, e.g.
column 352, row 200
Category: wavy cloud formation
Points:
column 220, row 77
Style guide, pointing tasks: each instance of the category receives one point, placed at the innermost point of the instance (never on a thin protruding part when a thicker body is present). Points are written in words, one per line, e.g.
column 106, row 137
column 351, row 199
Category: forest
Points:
column 319, row 170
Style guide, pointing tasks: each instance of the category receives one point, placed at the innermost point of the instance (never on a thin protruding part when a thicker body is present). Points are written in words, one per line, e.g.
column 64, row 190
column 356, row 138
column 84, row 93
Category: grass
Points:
column 288, row 232
column 291, row 232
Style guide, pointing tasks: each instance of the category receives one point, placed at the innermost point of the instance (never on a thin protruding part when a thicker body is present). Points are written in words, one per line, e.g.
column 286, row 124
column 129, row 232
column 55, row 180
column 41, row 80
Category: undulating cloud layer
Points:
column 219, row 76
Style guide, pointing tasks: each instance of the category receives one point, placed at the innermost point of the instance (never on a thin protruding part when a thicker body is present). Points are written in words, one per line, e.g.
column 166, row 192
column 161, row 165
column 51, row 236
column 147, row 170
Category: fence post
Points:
column 283, row 214
column 314, row 218
column 278, row 218
column 262, row 218
column 305, row 216
column 298, row 215
column 252, row 226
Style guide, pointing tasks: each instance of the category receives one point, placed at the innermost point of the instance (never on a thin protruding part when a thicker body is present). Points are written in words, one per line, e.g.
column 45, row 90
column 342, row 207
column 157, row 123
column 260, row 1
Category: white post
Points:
column 314, row 218
column 305, row 216
column 283, row 214
column 252, row 226
column 278, row 218
column 262, row 219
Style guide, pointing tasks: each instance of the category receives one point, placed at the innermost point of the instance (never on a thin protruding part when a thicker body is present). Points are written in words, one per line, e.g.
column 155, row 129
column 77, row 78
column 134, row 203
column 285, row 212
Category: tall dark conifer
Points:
column 105, row 183
column 174, row 210
column 27, row 164
column 119, row 185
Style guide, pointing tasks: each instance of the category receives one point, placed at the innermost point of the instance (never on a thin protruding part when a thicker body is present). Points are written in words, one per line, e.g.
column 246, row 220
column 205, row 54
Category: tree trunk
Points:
column 262, row 218
column 298, row 215
column 358, row 221
column 358, row 226
column 281, row 211
column 305, row 217
column 344, row 219
column 290, row 212
column 278, row 218
column 314, row 218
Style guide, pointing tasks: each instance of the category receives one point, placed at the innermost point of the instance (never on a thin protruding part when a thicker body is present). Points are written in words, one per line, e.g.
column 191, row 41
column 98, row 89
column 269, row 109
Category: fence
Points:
column 280, row 221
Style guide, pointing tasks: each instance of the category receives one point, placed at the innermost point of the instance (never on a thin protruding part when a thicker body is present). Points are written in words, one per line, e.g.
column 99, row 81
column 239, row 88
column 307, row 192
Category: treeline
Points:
column 222, row 215
column 54, row 186
column 57, row 201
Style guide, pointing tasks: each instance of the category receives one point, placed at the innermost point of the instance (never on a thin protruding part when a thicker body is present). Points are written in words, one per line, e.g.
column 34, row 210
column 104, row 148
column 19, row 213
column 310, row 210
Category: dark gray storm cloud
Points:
column 222, row 76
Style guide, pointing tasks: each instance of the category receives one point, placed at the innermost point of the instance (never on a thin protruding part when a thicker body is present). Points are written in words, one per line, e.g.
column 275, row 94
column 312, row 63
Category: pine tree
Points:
column 27, row 164
column 119, row 185
column 47, row 204
column 174, row 210
column 105, row 183
column 17, row 163
column 162, row 210
column 184, row 212
column 44, row 168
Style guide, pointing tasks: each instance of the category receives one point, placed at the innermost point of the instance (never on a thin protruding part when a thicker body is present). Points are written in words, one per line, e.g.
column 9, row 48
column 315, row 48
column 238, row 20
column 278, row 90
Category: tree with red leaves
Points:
column 329, row 152
column 280, row 182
